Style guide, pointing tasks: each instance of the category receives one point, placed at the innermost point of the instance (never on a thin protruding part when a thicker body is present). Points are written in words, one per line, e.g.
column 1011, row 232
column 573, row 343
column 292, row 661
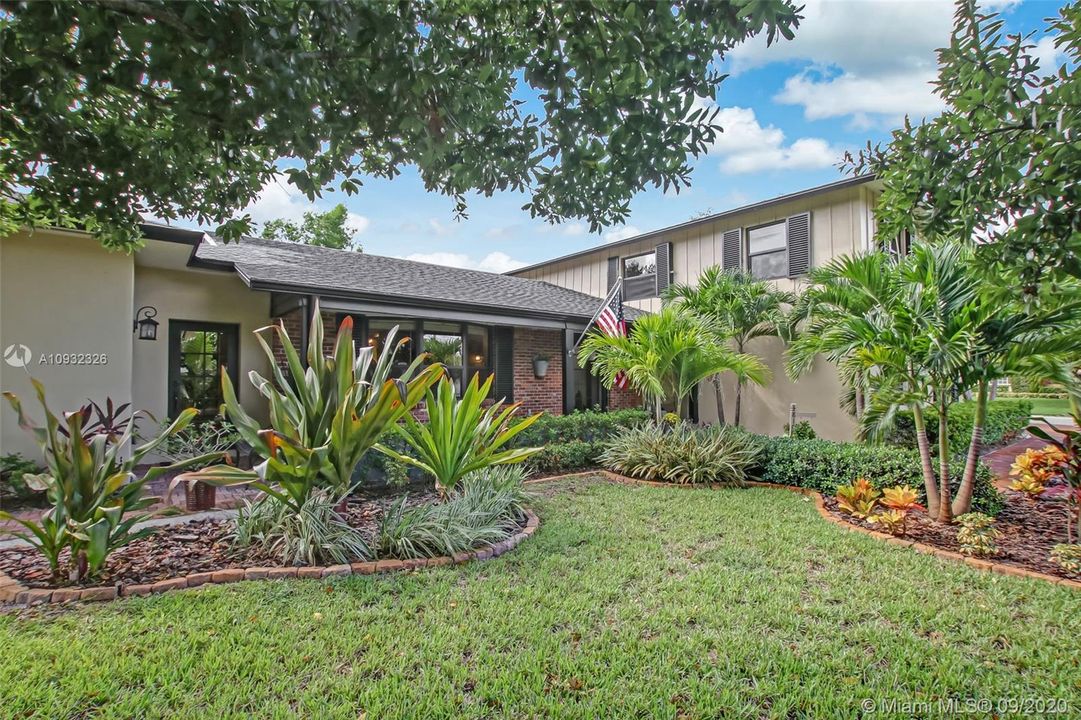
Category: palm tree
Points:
column 889, row 322
column 922, row 331
column 665, row 356
column 736, row 308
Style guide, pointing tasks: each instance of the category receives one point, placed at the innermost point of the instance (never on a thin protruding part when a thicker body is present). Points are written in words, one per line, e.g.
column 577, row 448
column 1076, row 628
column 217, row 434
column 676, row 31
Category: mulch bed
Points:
column 185, row 548
column 1029, row 530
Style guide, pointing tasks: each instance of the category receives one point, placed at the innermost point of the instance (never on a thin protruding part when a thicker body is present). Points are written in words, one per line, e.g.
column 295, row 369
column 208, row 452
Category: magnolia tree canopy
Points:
column 112, row 108
column 1001, row 165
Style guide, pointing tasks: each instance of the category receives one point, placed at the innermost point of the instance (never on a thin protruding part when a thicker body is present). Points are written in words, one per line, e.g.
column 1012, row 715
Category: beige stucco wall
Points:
column 63, row 293
column 842, row 222
column 195, row 295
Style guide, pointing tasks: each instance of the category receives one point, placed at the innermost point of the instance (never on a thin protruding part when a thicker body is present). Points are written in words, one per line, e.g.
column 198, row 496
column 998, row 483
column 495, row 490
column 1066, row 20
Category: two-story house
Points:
column 777, row 240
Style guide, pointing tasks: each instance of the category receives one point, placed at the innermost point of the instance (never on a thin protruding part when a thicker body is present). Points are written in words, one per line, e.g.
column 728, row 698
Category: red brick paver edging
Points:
column 12, row 591
column 820, row 505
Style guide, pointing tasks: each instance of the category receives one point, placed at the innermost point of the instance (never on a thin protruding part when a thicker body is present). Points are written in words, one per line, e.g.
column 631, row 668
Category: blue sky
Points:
column 855, row 68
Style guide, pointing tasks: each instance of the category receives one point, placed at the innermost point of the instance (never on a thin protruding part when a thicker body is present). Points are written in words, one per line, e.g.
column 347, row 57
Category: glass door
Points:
column 197, row 353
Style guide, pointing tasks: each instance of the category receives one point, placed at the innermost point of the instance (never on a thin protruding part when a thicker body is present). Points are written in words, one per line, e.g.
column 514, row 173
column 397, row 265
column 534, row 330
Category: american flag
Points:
column 611, row 322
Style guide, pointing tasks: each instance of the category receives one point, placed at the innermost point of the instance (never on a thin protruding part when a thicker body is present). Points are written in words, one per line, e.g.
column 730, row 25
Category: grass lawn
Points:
column 628, row 602
column 1050, row 406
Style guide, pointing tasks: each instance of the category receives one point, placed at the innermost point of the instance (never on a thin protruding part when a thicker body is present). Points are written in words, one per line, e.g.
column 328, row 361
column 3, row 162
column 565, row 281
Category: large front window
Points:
column 767, row 248
column 465, row 350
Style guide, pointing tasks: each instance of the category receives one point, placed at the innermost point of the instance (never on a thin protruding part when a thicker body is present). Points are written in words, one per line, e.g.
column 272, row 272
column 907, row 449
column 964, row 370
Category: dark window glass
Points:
column 443, row 343
column 478, row 352
column 378, row 331
column 197, row 354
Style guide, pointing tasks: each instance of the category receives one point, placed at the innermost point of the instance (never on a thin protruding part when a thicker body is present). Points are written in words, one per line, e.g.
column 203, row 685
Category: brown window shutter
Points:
column 799, row 244
column 613, row 271
column 503, row 363
column 731, row 243
column 664, row 267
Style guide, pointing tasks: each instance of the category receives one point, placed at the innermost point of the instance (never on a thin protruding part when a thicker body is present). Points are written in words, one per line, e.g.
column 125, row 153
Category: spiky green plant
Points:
column 313, row 535
column 665, row 356
column 682, row 454
column 323, row 417
column 91, row 486
column 461, row 436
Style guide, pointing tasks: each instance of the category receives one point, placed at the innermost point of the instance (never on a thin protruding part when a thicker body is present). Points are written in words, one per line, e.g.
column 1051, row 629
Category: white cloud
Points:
column 280, row 200
column 889, row 96
column 437, row 227
column 870, row 60
column 574, row 229
column 746, row 146
column 621, row 233
column 495, row 262
column 1049, row 56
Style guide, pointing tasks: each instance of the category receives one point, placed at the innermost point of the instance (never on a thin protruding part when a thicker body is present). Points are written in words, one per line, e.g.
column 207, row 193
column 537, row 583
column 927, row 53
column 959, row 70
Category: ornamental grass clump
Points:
column 313, row 534
column 485, row 508
column 682, row 454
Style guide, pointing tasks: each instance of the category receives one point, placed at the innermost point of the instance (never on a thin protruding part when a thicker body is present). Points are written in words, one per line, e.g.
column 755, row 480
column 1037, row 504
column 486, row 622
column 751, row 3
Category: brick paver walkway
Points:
column 1001, row 460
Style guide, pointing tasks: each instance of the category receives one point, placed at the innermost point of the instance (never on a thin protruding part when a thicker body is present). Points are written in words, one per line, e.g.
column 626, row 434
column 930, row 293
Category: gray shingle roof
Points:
column 345, row 273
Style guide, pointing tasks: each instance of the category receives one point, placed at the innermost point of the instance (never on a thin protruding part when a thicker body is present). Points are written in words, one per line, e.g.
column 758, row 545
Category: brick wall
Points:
column 623, row 399
column 538, row 394
column 292, row 321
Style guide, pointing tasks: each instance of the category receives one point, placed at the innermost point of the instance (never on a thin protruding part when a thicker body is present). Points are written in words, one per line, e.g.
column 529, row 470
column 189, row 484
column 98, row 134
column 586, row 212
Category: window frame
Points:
column 641, row 286
column 230, row 334
column 747, row 248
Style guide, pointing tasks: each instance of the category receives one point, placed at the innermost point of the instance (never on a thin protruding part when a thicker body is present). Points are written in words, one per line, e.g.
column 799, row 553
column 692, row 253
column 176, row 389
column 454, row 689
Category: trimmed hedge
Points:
column 574, row 442
column 823, row 465
column 1005, row 419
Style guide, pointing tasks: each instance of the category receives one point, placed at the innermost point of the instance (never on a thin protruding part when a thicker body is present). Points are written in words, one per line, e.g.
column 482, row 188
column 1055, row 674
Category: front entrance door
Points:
column 197, row 352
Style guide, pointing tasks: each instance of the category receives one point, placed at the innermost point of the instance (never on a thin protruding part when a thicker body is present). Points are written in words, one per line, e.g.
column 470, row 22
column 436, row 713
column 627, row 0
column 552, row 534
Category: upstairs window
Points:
column 640, row 276
column 767, row 250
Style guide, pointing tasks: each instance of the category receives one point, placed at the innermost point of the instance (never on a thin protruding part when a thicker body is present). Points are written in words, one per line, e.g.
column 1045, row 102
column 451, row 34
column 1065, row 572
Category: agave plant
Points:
column 91, row 486
column 462, row 436
column 323, row 417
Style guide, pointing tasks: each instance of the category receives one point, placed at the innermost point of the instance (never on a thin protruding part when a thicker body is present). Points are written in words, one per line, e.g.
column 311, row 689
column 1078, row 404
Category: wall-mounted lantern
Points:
column 540, row 366
column 146, row 325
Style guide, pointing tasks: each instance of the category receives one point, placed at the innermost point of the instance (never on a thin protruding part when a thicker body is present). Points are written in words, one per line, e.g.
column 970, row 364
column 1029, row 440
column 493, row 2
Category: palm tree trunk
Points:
column 944, row 509
column 963, row 502
column 739, row 400
column 658, row 411
column 930, row 486
column 858, row 395
column 719, row 390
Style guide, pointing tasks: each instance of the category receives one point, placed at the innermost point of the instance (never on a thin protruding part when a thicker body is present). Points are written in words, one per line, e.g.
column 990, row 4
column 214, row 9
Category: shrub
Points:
column 1005, row 419
column 824, row 465
column 977, row 534
column 13, row 467
column 1067, row 557
column 486, row 507
column 461, row 435
column 311, row 534
column 892, row 521
column 579, row 426
column 91, row 485
column 858, row 499
column 801, row 431
column 575, row 441
column 682, row 454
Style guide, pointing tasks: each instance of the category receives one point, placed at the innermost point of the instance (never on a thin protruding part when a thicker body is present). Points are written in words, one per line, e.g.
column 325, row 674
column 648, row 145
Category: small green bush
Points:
column 485, row 507
column 682, row 454
column 802, row 431
column 576, row 441
column 579, row 426
column 12, row 468
column 824, row 465
column 1005, row 419
column 314, row 534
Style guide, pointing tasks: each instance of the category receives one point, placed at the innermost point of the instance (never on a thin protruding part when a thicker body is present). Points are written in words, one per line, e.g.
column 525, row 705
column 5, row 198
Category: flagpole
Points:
column 607, row 299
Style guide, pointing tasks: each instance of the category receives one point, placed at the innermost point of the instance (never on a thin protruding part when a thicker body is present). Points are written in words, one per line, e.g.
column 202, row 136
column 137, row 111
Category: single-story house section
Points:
column 79, row 318
column 778, row 240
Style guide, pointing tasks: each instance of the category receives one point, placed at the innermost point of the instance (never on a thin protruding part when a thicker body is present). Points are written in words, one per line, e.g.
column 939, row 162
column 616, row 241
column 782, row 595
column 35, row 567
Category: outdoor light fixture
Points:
column 146, row 325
